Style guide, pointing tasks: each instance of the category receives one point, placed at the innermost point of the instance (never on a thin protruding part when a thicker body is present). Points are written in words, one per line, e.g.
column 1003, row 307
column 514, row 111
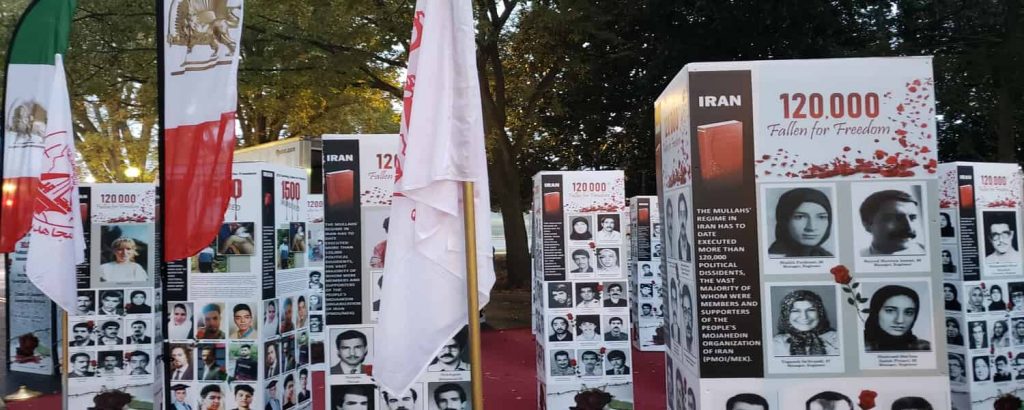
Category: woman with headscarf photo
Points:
column 952, row 298
column 892, row 313
column 947, row 262
column 995, row 296
column 953, row 335
column 804, row 328
column 580, row 229
column 946, row 226
column 976, row 300
column 803, row 223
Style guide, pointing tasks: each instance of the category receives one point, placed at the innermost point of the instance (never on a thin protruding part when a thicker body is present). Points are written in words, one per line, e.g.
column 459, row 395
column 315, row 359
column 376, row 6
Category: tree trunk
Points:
column 506, row 182
column 1005, row 81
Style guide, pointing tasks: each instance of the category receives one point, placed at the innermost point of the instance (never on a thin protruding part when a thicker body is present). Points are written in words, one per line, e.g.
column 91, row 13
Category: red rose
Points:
column 841, row 275
column 603, row 350
column 569, row 315
column 600, row 287
column 983, row 285
column 368, row 369
column 593, row 245
column 866, row 400
column 572, row 362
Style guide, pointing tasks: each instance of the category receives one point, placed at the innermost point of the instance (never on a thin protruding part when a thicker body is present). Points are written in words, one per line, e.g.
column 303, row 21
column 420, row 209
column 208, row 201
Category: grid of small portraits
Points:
column 111, row 334
column 646, row 309
column 985, row 334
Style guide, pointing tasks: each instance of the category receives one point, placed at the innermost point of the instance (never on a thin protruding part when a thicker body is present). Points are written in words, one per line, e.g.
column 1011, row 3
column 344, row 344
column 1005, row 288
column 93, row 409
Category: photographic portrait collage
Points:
column 117, row 313
column 238, row 311
column 645, row 285
column 359, row 181
column 803, row 251
column 581, row 289
column 983, row 289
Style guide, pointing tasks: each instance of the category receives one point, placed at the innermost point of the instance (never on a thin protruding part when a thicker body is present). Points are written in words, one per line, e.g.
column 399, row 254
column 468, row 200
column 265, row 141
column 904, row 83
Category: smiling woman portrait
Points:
column 804, row 328
column 803, row 223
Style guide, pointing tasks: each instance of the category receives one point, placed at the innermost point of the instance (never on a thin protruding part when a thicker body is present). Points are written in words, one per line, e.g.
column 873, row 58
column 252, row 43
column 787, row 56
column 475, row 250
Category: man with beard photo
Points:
column 615, row 334
column 1003, row 373
column 111, row 334
column 581, row 258
column 1001, row 239
column 591, row 363
column 352, row 350
column 448, row 359
column 245, row 364
column 406, row 401
column 609, row 229
column 210, row 368
column 559, row 297
column 893, row 219
column 560, row 330
column 615, row 297
column 181, row 363
column 271, row 365
column 138, row 336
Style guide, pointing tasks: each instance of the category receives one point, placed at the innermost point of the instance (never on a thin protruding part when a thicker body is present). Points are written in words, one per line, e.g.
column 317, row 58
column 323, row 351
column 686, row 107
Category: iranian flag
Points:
column 200, row 40
column 40, row 190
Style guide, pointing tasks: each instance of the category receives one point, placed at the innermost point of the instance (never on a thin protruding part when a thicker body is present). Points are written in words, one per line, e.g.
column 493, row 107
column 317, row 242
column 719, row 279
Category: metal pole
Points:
column 65, row 361
column 472, row 293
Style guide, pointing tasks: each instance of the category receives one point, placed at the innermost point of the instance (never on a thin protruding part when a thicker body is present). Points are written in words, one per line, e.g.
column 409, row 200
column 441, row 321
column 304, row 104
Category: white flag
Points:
column 56, row 241
column 424, row 302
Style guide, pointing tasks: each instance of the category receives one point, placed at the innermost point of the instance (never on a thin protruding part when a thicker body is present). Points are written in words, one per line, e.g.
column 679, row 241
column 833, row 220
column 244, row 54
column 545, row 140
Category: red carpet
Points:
column 510, row 375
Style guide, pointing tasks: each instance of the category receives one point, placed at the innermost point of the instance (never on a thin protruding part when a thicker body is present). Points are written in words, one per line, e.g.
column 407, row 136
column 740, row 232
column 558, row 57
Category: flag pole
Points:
column 473, row 296
column 65, row 360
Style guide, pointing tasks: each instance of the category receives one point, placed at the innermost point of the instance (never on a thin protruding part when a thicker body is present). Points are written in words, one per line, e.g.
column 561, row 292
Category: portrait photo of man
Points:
column 273, row 400
column 560, row 363
column 85, row 303
column 591, row 362
column 242, row 324
column 80, row 365
column 406, row 401
column 645, row 270
column 617, row 364
column 352, row 397
column 608, row 228
column 587, row 295
column 829, row 400
column 688, row 323
column 560, row 330
column 209, row 327
column 893, row 220
column 614, row 295
column 111, row 303
column 448, row 396
column 81, row 334
column 246, row 366
column 303, row 386
column 111, row 334
column 581, row 261
column 138, row 335
column 316, row 323
column 1001, row 237
column 271, row 360
column 181, row 362
column 683, row 216
column 138, row 363
column 746, row 401
column 211, row 397
column 110, row 363
column 559, row 295
column 351, row 349
column 243, row 396
column 615, row 331
column 211, row 365
column 179, row 397
column 450, row 359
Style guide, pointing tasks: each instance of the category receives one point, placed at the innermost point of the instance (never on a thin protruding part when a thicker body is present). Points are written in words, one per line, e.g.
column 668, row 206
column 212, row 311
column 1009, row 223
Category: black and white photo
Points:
column 982, row 368
column 995, row 299
column 85, row 303
column 978, row 334
column 617, row 363
column 957, row 368
column 351, row 350
column 1002, row 373
column 581, row 228
column 111, row 363
column 804, row 317
column 954, row 336
column 139, row 332
column 1017, row 335
column 111, row 302
column 615, row 329
column 352, row 397
column 946, row 227
column 951, row 297
column 608, row 261
column 561, row 360
column 582, row 261
column 682, row 241
column 559, row 295
column 453, row 356
column 976, row 300
column 138, row 302
column 587, row 295
column 1001, row 245
column 891, row 220
column 560, row 331
column 448, row 395
column 802, row 222
column 688, row 318
column 898, row 319
column 1000, row 334
column 588, row 328
column 614, row 295
column 950, row 260
column 609, row 229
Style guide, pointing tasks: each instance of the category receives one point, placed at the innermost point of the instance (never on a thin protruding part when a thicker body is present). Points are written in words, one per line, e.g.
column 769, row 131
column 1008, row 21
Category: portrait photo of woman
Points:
column 803, row 326
column 946, row 229
column 976, row 300
column 803, row 224
column 1000, row 334
column 995, row 297
column 953, row 334
column 892, row 314
column 948, row 265
column 123, row 267
column 979, row 334
column 982, row 369
column 580, row 226
column 951, row 297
